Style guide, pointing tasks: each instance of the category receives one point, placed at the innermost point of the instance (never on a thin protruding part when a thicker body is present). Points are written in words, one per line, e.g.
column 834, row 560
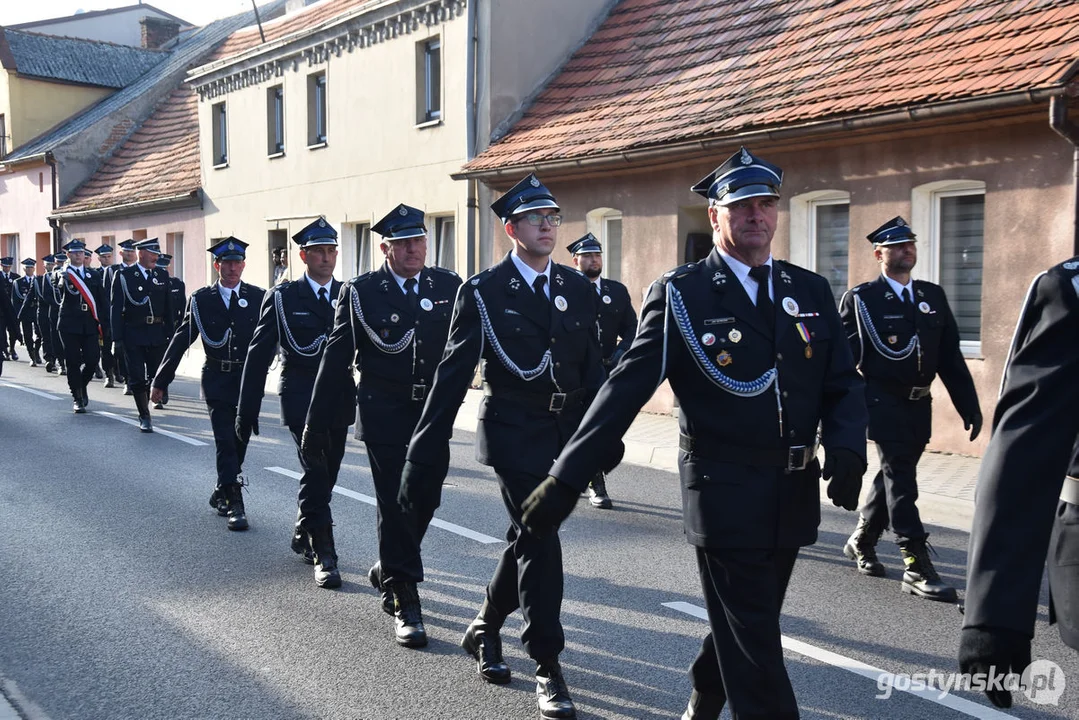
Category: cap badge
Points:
column 534, row 182
column 403, row 212
column 747, row 159
column 708, row 339
column 900, row 222
column 560, row 303
column 231, row 246
column 790, row 306
column 321, row 222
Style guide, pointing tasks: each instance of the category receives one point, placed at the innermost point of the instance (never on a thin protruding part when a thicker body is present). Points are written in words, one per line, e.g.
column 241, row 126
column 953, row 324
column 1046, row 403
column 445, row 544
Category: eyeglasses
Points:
column 536, row 219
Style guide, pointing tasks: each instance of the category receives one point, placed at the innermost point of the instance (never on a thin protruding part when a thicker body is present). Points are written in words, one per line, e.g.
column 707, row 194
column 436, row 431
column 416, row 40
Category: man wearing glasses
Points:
column 533, row 324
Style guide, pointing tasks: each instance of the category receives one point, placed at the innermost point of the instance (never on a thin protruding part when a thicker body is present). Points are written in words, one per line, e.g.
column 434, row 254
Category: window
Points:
column 820, row 236
column 277, row 247
column 606, row 224
column 949, row 219
column 362, row 254
column 221, row 135
column 140, row 234
column 109, row 240
column 429, row 80
column 445, row 231
column 275, row 120
column 10, row 245
column 174, row 245
column 316, row 109
column 3, row 136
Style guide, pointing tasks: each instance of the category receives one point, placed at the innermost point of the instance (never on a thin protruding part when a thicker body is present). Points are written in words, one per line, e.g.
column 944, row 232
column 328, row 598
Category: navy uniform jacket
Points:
column 225, row 338
column 7, row 315
column 395, row 349
column 293, row 318
column 617, row 321
column 75, row 314
column 700, row 330
column 501, row 320
column 141, row 308
column 1035, row 427
column 899, row 347
column 179, row 299
column 24, row 298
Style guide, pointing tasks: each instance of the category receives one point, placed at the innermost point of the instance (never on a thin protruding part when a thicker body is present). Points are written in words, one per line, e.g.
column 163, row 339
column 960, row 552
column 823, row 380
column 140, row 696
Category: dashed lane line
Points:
column 442, row 524
column 972, row 709
column 32, row 391
column 166, row 433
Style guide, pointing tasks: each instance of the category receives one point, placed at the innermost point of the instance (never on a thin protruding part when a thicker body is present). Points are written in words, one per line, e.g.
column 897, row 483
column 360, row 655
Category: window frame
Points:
column 317, row 110
column 440, row 249
column 429, row 95
column 219, row 145
column 275, row 121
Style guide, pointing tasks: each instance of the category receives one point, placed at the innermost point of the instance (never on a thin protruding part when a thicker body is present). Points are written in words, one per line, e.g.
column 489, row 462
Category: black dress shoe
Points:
column 486, row 647
column 552, row 694
column 704, row 706
column 374, row 576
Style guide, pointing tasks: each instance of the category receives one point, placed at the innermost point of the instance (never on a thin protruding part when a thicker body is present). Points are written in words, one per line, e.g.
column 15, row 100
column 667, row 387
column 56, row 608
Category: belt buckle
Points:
column 226, row 365
column 802, row 456
column 149, row 319
column 917, row 393
column 558, row 401
column 419, row 392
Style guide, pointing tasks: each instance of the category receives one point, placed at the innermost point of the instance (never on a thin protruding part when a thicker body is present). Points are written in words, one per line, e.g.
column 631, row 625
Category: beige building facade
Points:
column 350, row 108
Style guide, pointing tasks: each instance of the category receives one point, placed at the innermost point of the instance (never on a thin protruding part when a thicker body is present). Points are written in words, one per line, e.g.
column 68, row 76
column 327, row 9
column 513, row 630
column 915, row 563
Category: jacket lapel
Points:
column 734, row 299
column 520, row 296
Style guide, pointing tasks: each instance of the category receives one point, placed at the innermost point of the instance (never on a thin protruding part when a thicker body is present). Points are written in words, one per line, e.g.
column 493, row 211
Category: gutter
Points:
column 1063, row 126
column 911, row 113
column 50, row 160
column 191, row 198
column 471, row 201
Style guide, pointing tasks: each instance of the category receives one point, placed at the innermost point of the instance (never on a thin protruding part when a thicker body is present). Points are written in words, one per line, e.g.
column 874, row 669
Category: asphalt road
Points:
column 122, row 595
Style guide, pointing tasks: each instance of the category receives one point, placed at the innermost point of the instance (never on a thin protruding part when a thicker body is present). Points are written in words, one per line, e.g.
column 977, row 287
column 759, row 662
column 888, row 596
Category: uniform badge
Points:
column 426, row 304
column 403, row 212
column 333, row 303
column 735, row 335
column 889, row 295
column 719, row 278
column 394, row 318
column 475, row 281
column 790, row 306
column 923, row 306
column 560, row 303
column 606, row 299
column 785, row 277
column 534, row 182
column 809, row 352
column 724, row 359
column 893, row 339
column 747, row 159
column 515, row 284
column 140, row 288
column 1070, row 265
column 321, row 222
column 242, row 302
column 708, row 339
column 384, row 334
column 558, row 280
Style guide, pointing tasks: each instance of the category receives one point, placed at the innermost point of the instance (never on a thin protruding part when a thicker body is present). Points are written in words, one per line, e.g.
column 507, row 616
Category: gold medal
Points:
column 809, row 352
column 724, row 359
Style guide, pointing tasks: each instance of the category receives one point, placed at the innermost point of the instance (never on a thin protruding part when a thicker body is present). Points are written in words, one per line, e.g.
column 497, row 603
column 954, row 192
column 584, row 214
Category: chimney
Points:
column 157, row 31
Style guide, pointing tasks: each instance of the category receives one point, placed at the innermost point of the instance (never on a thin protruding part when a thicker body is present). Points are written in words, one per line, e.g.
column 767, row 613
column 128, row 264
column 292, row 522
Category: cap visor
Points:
column 748, row 191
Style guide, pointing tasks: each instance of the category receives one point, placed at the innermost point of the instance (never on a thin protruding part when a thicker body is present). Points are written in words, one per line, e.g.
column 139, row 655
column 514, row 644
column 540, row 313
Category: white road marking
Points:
column 30, row 390
column 857, row 667
column 448, row 526
column 166, row 433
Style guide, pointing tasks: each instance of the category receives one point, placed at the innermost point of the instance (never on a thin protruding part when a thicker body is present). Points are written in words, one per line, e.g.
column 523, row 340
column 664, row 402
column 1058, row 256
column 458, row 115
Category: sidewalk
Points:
column 945, row 481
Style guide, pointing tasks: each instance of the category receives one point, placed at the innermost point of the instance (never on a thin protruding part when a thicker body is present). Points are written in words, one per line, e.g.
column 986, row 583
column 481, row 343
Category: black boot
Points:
column 325, row 555
column 77, row 405
column 704, row 706
column 374, row 576
column 483, row 642
column 85, row 396
column 110, row 380
column 219, row 501
column 597, row 492
column 301, row 546
column 235, row 498
column 50, row 366
column 920, row 577
column 98, row 375
column 63, row 368
column 552, row 693
column 407, row 616
column 35, row 357
column 142, row 402
column 861, row 547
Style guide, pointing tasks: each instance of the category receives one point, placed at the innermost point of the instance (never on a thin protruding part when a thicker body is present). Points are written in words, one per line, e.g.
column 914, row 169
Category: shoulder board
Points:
column 1069, row 267
column 255, row 288
column 360, row 279
column 443, row 270
column 482, row 276
column 859, row 288
column 680, row 271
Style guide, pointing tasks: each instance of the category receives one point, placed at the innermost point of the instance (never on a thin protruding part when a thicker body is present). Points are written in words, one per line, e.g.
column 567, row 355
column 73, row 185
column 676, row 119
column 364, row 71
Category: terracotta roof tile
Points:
column 159, row 160
column 666, row 71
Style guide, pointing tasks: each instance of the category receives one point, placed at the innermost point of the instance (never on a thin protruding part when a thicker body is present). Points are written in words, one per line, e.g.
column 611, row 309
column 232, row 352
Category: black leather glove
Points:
column 984, row 650
column 421, row 487
column 844, row 468
column 314, row 444
column 548, row 505
column 973, row 422
column 245, row 427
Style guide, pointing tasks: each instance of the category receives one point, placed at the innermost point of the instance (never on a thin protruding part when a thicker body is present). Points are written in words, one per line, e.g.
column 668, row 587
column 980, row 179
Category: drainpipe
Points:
column 1058, row 120
column 472, row 203
column 50, row 160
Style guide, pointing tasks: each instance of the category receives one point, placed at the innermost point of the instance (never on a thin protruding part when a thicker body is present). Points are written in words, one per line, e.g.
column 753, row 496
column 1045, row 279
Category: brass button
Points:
column 784, row 393
column 554, row 340
column 779, row 357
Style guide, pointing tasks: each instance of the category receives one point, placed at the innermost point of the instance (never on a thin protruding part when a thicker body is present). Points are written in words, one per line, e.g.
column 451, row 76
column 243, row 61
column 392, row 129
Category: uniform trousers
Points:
column 108, row 361
column 399, row 533
column 741, row 659
column 81, row 355
column 142, row 363
column 28, row 340
column 894, row 492
column 529, row 573
column 230, row 451
column 1063, row 570
column 45, row 336
column 316, row 484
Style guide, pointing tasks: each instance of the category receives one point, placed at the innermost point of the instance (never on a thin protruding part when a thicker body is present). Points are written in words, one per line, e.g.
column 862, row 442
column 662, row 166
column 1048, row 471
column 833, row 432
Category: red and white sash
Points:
column 87, row 296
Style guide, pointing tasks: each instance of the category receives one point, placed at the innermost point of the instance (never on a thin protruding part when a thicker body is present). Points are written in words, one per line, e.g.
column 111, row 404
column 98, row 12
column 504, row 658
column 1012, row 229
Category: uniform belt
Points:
column 224, row 365
column 384, row 386
column 151, row 320
column 548, row 402
column 1069, row 492
column 794, row 457
column 906, row 391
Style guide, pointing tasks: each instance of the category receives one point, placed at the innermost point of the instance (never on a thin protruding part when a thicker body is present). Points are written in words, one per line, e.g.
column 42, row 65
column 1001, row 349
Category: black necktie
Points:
column 323, row 298
column 232, row 301
column 410, row 292
column 537, row 285
column 906, row 296
column 764, row 302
